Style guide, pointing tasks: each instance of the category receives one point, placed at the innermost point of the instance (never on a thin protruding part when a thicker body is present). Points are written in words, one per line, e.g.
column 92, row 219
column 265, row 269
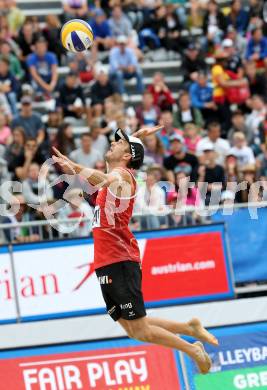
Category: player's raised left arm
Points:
column 145, row 131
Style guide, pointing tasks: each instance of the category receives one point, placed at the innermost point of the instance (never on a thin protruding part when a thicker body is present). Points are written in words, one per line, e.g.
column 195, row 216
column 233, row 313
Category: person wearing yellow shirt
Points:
column 15, row 16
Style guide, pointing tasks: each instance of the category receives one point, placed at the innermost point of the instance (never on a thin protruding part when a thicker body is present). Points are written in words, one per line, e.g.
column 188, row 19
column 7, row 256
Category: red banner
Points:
column 184, row 266
column 133, row 368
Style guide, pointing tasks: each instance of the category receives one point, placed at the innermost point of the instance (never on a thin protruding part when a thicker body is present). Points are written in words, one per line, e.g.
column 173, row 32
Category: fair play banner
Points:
column 8, row 312
column 57, row 278
column 239, row 363
column 103, row 365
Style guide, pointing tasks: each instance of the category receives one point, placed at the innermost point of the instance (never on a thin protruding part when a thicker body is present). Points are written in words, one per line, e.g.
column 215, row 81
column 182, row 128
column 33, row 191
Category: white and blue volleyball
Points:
column 77, row 35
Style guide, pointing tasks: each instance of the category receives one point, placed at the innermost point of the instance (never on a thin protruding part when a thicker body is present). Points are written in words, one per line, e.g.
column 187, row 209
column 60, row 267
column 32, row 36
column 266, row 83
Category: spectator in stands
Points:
column 257, row 115
column 166, row 120
column 19, row 234
column 186, row 196
column 214, row 25
column 82, row 63
column 238, row 17
column 263, row 134
column 257, row 47
column 35, row 189
column 211, row 174
column 86, row 155
column 75, row 9
column 26, row 39
column 71, row 98
column 119, row 23
column 101, row 89
column 179, row 156
column 20, row 164
column 192, row 63
column 243, row 153
column 201, row 94
column 170, row 31
column 64, row 140
column 161, row 93
column 251, row 193
column 186, row 113
column 99, row 141
column 150, row 202
column 255, row 9
column 154, row 150
column 54, row 120
column 5, row 132
column 239, row 42
column 14, row 63
column 102, row 33
column 5, row 107
column 232, row 174
column 220, row 146
column 16, row 147
column 148, row 113
column 15, row 16
column 124, row 65
column 42, row 66
column 30, row 121
column 233, row 62
column 222, row 81
column 191, row 137
column 195, row 15
column 76, row 207
column 257, row 80
column 51, row 33
column 8, row 85
column 239, row 125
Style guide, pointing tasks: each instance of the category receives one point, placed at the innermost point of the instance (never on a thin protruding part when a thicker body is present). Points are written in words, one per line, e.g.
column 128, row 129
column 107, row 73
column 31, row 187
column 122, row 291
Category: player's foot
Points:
column 200, row 333
column 202, row 359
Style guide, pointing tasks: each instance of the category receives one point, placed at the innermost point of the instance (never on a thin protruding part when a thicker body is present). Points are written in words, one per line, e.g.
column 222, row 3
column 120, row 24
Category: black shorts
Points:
column 121, row 285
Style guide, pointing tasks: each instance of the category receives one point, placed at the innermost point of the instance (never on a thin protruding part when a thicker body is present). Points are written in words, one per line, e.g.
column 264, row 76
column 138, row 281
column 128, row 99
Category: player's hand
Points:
column 145, row 131
column 65, row 163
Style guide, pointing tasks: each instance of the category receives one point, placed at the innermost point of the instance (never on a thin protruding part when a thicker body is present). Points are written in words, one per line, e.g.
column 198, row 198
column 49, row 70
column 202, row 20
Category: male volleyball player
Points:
column 117, row 258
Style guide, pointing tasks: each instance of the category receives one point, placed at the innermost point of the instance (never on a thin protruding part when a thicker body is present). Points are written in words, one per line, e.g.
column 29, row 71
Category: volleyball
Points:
column 77, row 35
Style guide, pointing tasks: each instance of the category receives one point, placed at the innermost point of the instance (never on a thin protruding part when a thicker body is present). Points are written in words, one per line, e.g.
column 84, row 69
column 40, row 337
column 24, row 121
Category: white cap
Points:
column 227, row 43
column 122, row 39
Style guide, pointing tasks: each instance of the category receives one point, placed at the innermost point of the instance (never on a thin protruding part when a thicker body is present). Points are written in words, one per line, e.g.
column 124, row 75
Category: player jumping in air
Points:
column 116, row 254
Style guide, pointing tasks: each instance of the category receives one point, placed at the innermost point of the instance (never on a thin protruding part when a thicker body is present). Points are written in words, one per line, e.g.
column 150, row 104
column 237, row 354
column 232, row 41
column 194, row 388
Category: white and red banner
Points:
column 146, row 367
column 8, row 310
column 57, row 278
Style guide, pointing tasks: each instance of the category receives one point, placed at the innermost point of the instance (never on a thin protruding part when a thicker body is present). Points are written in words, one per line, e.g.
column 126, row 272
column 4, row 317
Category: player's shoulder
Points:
column 124, row 173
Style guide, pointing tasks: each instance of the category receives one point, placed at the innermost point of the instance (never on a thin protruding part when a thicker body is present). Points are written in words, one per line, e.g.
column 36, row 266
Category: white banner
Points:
column 57, row 278
column 7, row 296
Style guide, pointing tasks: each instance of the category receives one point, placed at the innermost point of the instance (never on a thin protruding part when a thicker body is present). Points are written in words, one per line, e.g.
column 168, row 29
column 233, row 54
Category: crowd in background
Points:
column 214, row 124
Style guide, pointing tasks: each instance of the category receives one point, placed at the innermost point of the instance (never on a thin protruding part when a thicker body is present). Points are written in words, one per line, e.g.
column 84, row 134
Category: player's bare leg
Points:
column 141, row 330
column 191, row 328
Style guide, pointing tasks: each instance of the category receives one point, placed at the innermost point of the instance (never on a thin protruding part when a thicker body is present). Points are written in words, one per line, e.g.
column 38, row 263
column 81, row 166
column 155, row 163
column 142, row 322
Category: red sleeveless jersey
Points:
column 113, row 240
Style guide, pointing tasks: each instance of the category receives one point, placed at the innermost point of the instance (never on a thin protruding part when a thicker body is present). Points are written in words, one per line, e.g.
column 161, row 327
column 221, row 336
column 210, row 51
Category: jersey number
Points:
column 96, row 220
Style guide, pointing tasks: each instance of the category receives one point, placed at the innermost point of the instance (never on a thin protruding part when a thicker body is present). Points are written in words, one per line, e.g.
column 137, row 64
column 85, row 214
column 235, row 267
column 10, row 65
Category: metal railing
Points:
column 53, row 229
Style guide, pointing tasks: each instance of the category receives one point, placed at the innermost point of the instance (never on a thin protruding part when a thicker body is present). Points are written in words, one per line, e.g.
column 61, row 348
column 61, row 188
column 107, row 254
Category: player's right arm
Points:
column 119, row 181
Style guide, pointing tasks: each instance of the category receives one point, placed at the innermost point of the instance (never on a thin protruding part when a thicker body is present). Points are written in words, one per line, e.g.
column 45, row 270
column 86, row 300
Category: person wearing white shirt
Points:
column 150, row 202
column 257, row 116
column 99, row 141
column 243, row 153
column 75, row 208
column 86, row 155
column 220, row 145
